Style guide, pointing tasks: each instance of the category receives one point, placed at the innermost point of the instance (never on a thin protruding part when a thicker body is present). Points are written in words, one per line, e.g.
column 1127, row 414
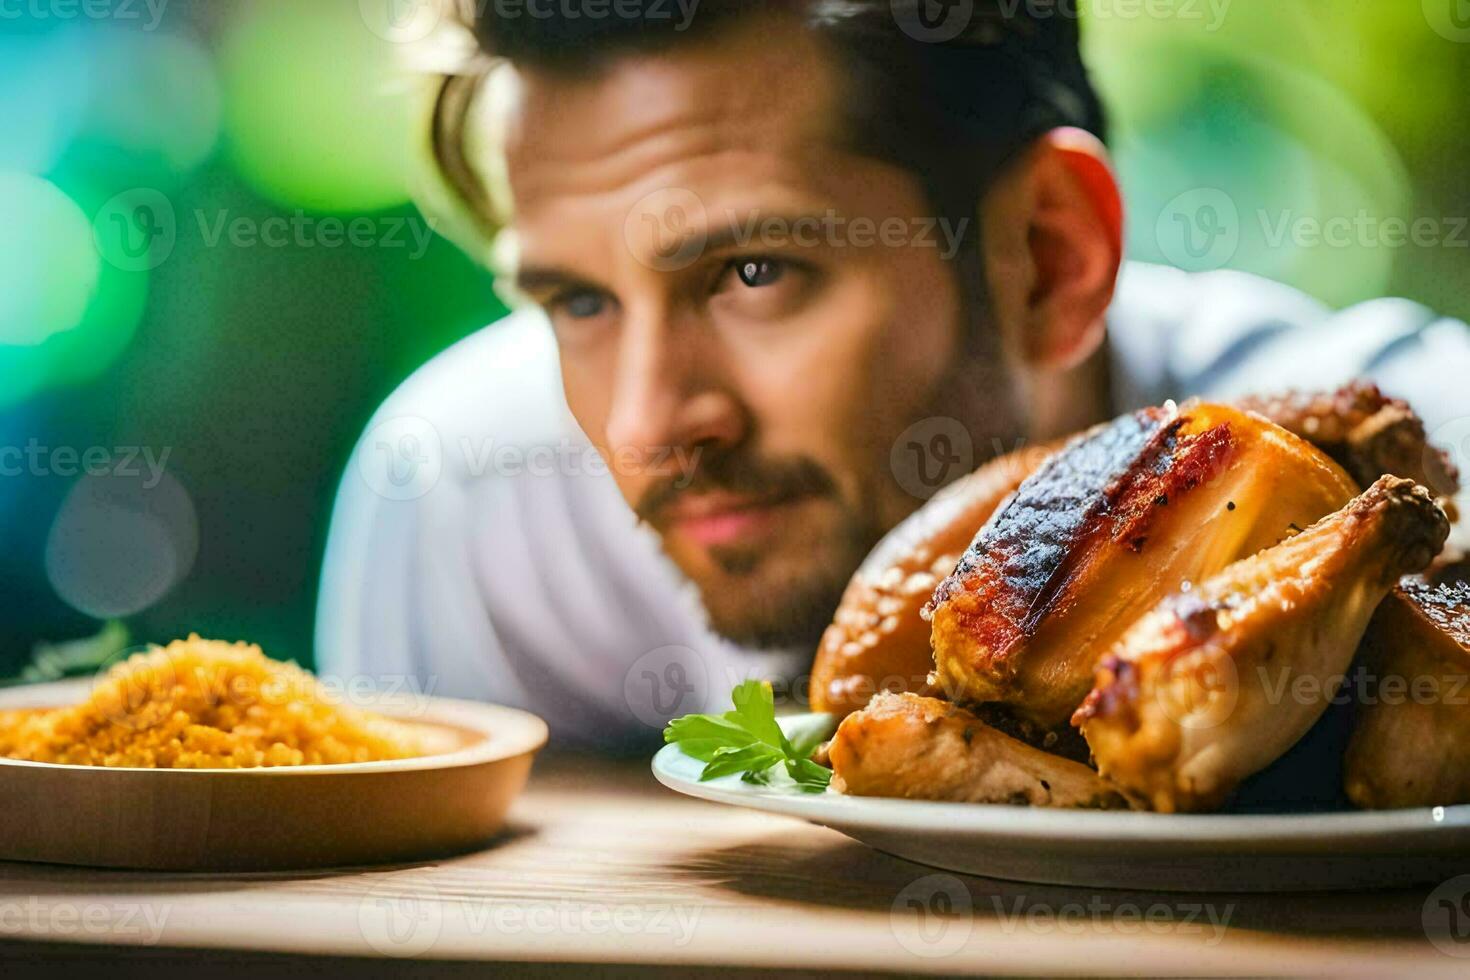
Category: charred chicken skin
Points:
column 1104, row 531
column 1220, row 680
column 913, row 747
column 1411, row 742
column 878, row 641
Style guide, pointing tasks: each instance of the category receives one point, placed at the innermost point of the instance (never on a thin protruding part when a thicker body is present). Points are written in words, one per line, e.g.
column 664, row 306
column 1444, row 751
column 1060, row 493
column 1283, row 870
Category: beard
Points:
column 772, row 593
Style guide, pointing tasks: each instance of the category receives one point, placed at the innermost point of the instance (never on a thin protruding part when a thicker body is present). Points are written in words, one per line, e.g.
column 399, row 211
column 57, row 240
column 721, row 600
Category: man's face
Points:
column 730, row 286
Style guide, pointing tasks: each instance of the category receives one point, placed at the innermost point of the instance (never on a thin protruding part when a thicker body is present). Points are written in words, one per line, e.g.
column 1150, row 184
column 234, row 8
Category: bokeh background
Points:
column 211, row 271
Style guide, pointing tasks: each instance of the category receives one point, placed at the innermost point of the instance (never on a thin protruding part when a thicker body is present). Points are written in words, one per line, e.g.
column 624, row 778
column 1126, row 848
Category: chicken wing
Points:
column 1220, row 680
column 912, row 747
column 1105, row 530
column 1411, row 742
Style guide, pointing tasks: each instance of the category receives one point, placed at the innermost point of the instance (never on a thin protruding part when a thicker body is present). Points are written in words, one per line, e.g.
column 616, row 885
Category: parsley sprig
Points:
column 747, row 740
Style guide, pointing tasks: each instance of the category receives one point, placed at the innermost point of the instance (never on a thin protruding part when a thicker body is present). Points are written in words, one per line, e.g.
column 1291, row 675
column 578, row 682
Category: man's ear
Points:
column 1054, row 246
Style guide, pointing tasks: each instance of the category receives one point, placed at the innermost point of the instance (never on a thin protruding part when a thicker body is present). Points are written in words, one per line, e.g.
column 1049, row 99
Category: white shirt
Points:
column 479, row 548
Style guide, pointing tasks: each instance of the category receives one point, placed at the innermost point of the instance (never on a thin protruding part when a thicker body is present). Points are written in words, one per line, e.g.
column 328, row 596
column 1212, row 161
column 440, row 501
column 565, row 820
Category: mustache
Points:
column 769, row 480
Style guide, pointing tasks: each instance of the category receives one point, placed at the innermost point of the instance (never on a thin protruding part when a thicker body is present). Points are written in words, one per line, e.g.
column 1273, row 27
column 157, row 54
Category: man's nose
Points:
column 669, row 394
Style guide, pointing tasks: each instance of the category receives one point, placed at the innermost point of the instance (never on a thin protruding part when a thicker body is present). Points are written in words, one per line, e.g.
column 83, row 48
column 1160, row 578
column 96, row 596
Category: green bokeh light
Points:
column 48, row 265
column 116, row 309
column 317, row 110
column 113, row 309
column 155, row 108
column 44, row 83
column 1287, row 151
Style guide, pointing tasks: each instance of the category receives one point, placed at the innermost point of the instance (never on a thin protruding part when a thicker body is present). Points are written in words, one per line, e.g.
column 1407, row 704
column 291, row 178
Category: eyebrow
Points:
column 745, row 234
column 534, row 279
column 731, row 235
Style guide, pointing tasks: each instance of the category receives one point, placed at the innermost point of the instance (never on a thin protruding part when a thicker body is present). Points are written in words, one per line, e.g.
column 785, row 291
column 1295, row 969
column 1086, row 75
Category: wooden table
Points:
column 601, row 865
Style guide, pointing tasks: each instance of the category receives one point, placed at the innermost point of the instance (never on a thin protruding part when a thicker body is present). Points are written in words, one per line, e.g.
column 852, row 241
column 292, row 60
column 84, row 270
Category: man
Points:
column 792, row 266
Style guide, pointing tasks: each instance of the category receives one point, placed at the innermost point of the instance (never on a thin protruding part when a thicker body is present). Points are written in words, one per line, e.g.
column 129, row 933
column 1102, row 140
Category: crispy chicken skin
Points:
column 1411, row 742
column 1369, row 433
column 878, row 640
column 913, row 747
column 1220, row 680
column 1104, row 531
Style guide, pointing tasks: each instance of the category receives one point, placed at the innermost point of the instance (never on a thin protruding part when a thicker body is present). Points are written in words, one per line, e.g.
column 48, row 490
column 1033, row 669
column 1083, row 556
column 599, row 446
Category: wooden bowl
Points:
column 272, row 818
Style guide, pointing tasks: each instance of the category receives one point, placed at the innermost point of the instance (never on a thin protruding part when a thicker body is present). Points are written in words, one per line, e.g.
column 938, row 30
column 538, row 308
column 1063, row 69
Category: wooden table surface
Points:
column 602, row 865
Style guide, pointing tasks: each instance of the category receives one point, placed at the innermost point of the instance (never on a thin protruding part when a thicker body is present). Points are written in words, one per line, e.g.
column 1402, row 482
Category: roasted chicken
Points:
column 908, row 746
column 878, row 641
column 1411, row 743
column 1369, row 433
column 1220, row 680
column 1105, row 530
column 1156, row 568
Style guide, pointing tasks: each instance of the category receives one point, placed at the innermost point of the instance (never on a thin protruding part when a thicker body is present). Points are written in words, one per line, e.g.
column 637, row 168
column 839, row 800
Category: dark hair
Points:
column 949, row 100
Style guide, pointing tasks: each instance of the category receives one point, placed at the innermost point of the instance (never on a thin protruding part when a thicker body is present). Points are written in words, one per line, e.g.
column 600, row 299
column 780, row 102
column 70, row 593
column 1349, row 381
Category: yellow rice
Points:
column 204, row 704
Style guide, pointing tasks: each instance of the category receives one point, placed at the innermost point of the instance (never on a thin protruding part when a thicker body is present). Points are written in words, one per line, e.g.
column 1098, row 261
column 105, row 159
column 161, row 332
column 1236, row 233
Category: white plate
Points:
column 1103, row 849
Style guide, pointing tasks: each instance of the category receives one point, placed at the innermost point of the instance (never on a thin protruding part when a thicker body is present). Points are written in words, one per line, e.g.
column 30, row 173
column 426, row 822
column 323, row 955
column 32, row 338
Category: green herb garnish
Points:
column 748, row 741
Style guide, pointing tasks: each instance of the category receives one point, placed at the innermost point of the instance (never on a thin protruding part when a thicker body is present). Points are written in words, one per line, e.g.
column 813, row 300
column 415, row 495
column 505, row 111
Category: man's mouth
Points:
column 719, row 519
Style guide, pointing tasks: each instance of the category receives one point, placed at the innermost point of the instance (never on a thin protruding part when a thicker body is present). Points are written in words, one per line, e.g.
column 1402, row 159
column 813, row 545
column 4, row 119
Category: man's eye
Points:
column 582, row 304
column 759, row 272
